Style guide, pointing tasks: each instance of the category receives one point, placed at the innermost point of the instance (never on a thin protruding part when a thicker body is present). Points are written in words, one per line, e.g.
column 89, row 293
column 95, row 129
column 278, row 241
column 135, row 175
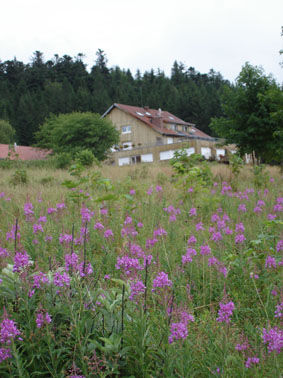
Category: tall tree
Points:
column 253, row 119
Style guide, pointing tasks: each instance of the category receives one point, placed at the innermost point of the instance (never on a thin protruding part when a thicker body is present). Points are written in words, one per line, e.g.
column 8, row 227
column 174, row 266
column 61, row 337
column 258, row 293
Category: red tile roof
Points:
column 23, row 152
column 158, row 120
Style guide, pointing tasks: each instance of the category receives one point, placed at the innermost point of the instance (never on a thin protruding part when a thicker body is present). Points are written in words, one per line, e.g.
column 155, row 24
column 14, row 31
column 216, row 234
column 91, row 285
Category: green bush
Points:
column 19, row 177
column 63, row 160
column 85, row 157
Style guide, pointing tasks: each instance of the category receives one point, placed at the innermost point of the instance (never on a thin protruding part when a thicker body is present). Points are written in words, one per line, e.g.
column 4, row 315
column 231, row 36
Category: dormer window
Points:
column 140, row 114
column 147, row 113
column 126, row 129
column 171, row 118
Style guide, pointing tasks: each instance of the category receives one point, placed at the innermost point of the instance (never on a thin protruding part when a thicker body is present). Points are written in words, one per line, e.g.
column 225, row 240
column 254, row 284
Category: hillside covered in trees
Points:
column 31, row 92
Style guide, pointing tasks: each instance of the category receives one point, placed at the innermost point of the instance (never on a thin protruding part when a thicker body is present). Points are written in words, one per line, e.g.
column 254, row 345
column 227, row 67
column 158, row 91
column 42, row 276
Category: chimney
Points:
column 15, row 145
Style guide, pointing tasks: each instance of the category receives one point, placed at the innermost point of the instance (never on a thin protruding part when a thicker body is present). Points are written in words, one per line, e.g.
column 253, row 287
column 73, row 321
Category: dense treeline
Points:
column 31, row 92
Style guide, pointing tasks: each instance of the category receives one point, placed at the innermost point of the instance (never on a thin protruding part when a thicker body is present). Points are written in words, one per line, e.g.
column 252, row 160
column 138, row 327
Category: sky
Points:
column 204, row 34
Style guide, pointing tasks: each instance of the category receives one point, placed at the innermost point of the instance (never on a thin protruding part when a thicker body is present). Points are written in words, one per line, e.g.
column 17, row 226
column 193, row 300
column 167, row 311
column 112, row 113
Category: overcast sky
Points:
column 145, row 34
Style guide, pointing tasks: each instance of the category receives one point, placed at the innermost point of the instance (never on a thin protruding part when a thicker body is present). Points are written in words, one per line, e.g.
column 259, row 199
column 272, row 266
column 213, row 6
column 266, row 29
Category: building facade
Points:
column 148, row 135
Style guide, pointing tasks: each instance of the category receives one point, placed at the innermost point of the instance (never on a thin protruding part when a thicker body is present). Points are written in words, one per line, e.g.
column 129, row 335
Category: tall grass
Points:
column 127, row 273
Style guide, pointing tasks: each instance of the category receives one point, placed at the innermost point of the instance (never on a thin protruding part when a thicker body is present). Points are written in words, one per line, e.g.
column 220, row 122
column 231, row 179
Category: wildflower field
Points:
column 136, row 272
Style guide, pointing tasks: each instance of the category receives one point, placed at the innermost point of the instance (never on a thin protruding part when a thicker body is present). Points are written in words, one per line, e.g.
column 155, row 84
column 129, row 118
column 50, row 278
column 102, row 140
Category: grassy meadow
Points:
column 140, row 272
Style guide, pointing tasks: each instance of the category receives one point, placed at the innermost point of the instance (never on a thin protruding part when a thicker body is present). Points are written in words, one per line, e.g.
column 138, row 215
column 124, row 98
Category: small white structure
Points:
column 166, row 155
column 206, row 152
column 219, row 152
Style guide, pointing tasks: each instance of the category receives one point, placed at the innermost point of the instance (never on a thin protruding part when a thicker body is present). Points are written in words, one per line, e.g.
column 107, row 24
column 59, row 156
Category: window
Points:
column 135, row 159
column 173, row 126
column 158, row 141
column 127, row 145
column 140, row 114
column 171, row 118
column 185, row 128
column 169, row 140
column 147, row 113
column 126, row 129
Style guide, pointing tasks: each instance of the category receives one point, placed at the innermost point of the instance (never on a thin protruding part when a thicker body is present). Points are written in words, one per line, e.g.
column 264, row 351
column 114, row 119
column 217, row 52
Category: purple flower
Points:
column 86, row 214
column 37, row 228
column 242, row 207
column 192, row 240
column 42, row 219
column 215, row 217
column 3, row 252
column 5, row 353
column 178, row 331
column 128, row 220
column 193, row 212
column 42, row 318
column 260, row 203
column 257, row 209
column 61, row 279
column 240, row 347
column 188, row 256
column 71, row 261
column 199, row 226
column 8, row 331
column 158, row 188
column 149, row 191
column 28, row 210
column 271, row 216
column 239, row 228
column 250, row 361
column 205, row 250
column 270, row 262
column 128, row 264
column 98, row 226
column 136, row 289
column 39, row 279
column 161, row 280
column 225, row 312
column 132, row 192
column 216, row 236
column 279, row 246
column 65, row 238
column 274, row 339
column 240, row 238
column 60, row 206
column 85, row 269
column 140, row 225
column 21, row 260
column 279, row 311
column 159, row 232
column 108, row 233
column 51, row 210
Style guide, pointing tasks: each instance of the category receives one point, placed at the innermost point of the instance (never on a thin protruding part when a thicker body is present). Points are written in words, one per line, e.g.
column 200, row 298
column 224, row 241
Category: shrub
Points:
column 19, row 177
column 63, row 160
column 85, row 157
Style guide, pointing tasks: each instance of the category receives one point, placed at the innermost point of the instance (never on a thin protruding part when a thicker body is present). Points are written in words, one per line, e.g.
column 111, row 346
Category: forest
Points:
column 31, row 92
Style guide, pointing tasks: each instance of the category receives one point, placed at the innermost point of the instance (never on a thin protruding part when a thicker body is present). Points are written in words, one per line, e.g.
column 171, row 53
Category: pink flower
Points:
column 199, row 226
column 136, row 289
column 240, row 238
column 274, row 339
column 250, row 361
column 108, row 233
column 42, row 318
column 270, row 262
column 225, row 312
column 242, row 207
column 192, row 240
column 158, row 188
column 193, row 212
column 205, row 250
column 178, row 331
column 9, row 331
column 132, row 192
column 161, row 280
column 188, row 256
column 98, row 226
column 21, row 260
